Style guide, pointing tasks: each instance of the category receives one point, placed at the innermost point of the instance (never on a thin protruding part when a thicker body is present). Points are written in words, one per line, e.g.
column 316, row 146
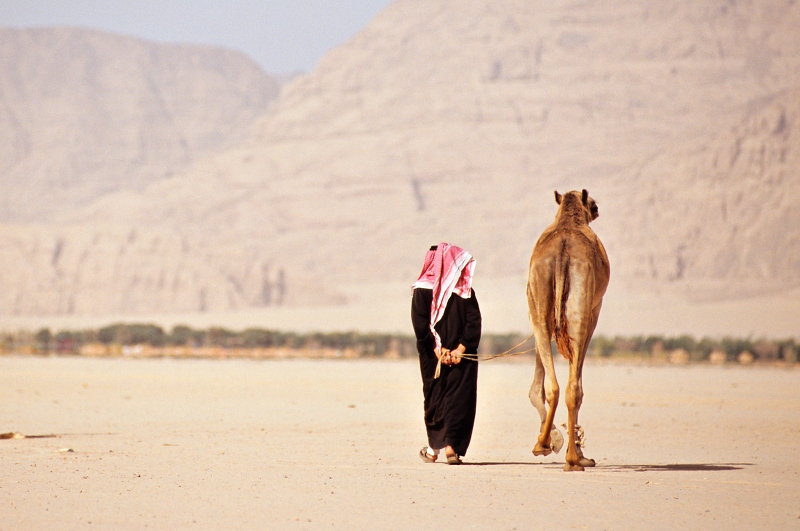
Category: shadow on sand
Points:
column 507, row 463
column 15, row 435
column 678, row 467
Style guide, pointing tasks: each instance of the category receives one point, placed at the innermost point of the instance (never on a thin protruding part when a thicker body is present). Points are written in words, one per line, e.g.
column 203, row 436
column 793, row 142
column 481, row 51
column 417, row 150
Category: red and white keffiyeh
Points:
column 447, row 269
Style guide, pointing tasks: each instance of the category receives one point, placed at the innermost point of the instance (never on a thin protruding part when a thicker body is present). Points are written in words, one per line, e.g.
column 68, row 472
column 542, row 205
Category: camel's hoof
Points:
column 556, row 440
column 541, row 450
column 572, row 468
column 585, row 461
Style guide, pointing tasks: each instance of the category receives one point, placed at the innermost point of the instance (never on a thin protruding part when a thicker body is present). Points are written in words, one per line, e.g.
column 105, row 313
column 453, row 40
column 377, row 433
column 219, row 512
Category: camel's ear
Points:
column 558, row 197
column 585, row 197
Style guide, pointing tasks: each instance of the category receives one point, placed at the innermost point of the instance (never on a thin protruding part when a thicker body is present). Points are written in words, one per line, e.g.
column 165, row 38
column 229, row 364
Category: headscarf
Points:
column 447, row 269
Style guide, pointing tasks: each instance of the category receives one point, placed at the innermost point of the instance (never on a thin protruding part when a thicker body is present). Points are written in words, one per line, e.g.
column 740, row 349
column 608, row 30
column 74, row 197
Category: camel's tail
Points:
column 561, row 325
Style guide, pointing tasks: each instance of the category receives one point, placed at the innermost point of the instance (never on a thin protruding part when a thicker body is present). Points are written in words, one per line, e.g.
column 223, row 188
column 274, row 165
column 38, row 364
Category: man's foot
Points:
column 453, row 460
column 452, row 456
column 425, row 456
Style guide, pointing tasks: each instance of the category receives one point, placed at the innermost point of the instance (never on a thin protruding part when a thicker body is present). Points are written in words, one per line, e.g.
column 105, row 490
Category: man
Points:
column 447, row 324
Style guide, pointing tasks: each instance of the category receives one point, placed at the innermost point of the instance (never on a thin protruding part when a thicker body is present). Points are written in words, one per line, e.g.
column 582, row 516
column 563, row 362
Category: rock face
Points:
column 454, row 121
column 719, row 217
column 85, row 113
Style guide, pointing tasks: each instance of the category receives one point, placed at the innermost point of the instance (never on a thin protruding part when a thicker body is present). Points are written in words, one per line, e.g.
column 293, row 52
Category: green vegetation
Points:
column 121, row 335
column 656, row 347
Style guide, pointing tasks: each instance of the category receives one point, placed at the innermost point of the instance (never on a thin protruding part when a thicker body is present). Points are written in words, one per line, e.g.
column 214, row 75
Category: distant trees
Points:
column 699, row 350
column 132, row 334
column 43, row 338
column 121, row 334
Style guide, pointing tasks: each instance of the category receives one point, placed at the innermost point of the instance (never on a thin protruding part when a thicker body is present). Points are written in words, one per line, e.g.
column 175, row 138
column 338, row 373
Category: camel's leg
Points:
column 573, row 404
column 579, row 315
column 537, row 398
column 575, row 458
column 545, row 385
column 551, row 392
column 585, row 461
column 536, row 393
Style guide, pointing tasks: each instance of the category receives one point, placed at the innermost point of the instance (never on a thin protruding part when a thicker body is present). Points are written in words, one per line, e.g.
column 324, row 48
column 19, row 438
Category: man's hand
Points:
column 450, row 357
column 455, row 355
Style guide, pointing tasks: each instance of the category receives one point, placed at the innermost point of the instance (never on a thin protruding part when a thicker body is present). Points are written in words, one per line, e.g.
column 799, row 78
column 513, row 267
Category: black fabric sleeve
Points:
column 421, row 319
column 471, row 337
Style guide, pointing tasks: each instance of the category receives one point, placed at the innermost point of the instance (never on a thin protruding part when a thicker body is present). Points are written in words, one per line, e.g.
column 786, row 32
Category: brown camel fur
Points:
column 568, row 276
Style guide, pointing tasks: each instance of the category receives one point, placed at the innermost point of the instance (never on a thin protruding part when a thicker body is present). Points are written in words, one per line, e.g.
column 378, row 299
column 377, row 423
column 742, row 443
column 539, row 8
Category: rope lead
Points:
column 487, row 357
column 438, row 370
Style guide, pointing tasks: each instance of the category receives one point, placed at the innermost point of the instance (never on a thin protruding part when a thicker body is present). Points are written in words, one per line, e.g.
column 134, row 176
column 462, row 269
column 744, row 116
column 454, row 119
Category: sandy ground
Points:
column 302, row 444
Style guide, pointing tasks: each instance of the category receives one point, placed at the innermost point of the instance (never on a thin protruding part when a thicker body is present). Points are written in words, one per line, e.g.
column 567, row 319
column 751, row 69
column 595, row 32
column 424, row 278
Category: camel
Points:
column 568, row 276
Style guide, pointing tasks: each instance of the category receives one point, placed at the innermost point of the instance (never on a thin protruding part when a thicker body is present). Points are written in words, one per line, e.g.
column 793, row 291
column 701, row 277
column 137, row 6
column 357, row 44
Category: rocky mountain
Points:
column 454, row 121
column 85, row 113
column 717, row 217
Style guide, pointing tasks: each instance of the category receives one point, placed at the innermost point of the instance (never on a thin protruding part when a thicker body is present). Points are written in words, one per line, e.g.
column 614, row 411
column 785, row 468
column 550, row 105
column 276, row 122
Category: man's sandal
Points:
column 425, row 456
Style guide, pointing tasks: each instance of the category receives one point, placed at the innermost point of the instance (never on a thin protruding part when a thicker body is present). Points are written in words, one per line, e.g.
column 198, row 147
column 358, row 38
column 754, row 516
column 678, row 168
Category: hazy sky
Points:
column 283, row 36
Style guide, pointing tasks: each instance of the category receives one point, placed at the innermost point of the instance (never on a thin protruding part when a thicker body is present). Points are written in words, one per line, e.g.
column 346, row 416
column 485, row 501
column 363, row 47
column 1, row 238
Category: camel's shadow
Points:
column 676, row 467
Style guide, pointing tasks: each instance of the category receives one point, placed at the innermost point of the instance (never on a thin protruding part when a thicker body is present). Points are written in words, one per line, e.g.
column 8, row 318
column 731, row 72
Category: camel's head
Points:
column 582, row 197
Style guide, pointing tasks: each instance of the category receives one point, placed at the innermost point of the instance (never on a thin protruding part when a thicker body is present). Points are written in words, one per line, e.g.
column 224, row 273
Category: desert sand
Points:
column 302, row 444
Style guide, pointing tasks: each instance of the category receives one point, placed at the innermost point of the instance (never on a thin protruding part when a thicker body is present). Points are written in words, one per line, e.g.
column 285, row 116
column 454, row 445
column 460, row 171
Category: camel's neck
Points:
column 571, row 213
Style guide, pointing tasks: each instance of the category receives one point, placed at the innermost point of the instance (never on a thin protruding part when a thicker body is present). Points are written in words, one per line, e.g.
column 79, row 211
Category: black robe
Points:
column 451, row 399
